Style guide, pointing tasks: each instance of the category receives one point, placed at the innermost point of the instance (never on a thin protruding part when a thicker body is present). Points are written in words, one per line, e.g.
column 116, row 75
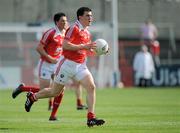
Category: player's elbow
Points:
column 38, row 49
column 64, row 46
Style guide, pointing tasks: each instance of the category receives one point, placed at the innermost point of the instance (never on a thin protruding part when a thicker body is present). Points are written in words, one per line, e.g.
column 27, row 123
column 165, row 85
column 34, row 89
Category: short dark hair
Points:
column 81, row 10
column 57, row 16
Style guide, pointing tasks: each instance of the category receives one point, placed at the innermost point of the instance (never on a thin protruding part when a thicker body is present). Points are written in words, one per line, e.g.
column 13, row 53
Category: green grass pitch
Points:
column 133, row 110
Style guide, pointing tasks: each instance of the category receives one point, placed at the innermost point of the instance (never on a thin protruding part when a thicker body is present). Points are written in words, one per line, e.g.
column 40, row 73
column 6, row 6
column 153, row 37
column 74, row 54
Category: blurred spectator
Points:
column 149, row 32
column 143, row 66
column 155, row 50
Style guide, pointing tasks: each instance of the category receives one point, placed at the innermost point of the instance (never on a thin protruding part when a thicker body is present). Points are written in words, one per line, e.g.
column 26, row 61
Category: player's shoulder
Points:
column 50, row 31
column 48, row 34
column 74, row 27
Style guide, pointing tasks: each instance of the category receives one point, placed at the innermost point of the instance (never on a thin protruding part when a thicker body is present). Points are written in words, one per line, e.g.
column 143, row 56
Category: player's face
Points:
column 86, row 19
column 62, row 23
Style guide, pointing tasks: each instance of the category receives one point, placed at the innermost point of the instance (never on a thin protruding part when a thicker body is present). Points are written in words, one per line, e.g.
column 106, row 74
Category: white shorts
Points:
column 45, row 69
column 68, row 69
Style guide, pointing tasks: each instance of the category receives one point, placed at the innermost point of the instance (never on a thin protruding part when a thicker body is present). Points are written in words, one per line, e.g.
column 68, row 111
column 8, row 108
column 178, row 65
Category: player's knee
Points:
column 54, row 94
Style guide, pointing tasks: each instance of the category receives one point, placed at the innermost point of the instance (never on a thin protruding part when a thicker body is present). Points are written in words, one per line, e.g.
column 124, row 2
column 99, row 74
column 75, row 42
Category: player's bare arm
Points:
column 70, row 46
column 42, row 52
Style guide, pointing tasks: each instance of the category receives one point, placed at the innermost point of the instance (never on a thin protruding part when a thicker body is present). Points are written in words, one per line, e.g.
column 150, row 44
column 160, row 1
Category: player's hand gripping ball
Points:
column 102, row 47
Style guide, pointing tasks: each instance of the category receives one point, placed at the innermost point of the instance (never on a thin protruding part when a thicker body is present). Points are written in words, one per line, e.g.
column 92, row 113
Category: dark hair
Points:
column 81, row 10
column 57, row 16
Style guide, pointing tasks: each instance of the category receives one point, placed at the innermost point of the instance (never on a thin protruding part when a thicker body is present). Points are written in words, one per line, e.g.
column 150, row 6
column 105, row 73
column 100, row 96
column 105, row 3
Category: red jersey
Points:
column 52, row 40
column 77, row 35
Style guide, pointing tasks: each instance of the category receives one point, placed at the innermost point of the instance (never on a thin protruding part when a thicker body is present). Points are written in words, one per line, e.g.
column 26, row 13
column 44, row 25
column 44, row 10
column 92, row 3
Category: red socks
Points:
column 56, row 103
column 30, row 88
column 91, row 115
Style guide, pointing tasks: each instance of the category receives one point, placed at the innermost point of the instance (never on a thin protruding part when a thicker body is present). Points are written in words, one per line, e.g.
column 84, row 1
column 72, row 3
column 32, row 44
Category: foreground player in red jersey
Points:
column 50, row 49
column 76, row 45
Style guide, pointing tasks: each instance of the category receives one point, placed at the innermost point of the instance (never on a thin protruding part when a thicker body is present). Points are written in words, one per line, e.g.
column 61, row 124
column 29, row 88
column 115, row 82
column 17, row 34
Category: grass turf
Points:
column 153, row 110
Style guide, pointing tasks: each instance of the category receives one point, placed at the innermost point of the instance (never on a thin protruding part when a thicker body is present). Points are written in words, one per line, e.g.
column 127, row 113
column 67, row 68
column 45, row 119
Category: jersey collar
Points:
column 58, row 32
column 80, row 25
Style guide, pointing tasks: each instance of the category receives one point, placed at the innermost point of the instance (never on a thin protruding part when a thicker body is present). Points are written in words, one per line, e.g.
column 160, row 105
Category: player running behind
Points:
column 50, row 49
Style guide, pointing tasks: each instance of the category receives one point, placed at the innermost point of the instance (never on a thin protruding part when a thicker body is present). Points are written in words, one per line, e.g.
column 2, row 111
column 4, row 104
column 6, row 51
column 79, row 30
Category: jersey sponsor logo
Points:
column 58, row 51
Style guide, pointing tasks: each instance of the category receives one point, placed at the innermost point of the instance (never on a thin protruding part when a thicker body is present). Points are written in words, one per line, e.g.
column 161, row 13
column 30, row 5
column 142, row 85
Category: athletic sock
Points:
column 50, row 103
column 91, row 115
column 56, row 103
column 79, row 102
column 30, row 88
